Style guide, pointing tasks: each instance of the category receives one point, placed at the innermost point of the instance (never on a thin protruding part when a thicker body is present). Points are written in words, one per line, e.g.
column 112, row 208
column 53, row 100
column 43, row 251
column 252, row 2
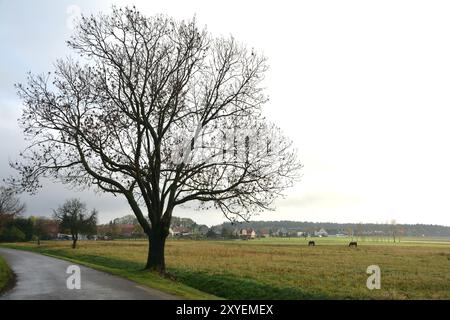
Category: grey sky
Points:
column 361, row 87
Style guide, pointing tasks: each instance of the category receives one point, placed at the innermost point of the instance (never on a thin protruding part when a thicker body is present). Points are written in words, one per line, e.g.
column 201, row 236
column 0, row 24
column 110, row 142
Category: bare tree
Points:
column 39, row 225
column 73, row 217
column 161, row 113
column 44, row 228
column 393, row 228
column 10, row 206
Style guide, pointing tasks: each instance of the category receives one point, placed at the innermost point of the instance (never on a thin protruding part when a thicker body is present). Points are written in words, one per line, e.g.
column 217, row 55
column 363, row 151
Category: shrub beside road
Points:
column 6, row 275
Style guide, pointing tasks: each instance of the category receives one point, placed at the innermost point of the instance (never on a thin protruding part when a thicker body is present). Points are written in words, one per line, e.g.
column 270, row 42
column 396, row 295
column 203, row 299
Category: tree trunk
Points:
column 74, row 242
column 39, row 241
column 155, row 259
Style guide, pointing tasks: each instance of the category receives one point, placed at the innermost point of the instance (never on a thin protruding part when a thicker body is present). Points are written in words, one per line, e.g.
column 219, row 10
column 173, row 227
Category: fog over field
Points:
column 363, row 96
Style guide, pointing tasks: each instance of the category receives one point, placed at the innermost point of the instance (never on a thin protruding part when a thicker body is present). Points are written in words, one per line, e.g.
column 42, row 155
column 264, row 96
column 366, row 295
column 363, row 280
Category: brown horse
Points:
column 353, row 244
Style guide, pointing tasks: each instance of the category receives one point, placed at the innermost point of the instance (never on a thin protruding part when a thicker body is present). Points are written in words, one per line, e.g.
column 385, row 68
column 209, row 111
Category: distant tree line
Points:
column 73, row 218
column 390, row 228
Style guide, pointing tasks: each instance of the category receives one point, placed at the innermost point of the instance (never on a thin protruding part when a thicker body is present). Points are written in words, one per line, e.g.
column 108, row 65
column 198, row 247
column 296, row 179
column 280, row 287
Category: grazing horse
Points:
column 311, row 243
column 353, row 244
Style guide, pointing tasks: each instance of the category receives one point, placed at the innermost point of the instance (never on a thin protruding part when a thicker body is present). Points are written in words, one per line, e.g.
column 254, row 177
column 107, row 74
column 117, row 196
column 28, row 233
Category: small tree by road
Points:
column 74, row 218
column 44, row 228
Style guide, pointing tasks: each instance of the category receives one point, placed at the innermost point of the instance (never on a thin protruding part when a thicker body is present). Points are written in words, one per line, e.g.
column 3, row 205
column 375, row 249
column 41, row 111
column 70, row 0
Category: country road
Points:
column 40, row 277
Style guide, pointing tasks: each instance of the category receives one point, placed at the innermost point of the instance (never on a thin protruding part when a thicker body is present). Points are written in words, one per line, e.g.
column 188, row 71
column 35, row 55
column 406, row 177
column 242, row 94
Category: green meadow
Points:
column 274, row 268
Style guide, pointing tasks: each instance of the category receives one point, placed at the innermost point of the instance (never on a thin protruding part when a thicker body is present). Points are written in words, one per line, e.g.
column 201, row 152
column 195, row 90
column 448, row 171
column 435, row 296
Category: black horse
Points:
column 311, row 243
column 353, row 244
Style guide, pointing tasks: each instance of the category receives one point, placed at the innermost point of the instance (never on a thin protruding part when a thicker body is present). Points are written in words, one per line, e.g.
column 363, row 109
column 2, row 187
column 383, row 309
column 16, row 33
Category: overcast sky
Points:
column 362, row 87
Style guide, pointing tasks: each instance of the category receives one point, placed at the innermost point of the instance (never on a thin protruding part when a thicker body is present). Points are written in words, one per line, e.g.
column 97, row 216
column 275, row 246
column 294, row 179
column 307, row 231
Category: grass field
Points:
column 5, row 275
column 277, row 268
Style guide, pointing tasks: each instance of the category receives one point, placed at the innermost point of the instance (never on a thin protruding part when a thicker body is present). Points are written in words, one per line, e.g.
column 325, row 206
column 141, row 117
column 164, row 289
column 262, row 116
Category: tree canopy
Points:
column 161, row 112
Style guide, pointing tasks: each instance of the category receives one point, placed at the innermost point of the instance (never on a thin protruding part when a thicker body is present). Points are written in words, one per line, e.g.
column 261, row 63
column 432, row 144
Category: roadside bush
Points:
column 12, row 234
column 6, row 275
column 25, row 225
